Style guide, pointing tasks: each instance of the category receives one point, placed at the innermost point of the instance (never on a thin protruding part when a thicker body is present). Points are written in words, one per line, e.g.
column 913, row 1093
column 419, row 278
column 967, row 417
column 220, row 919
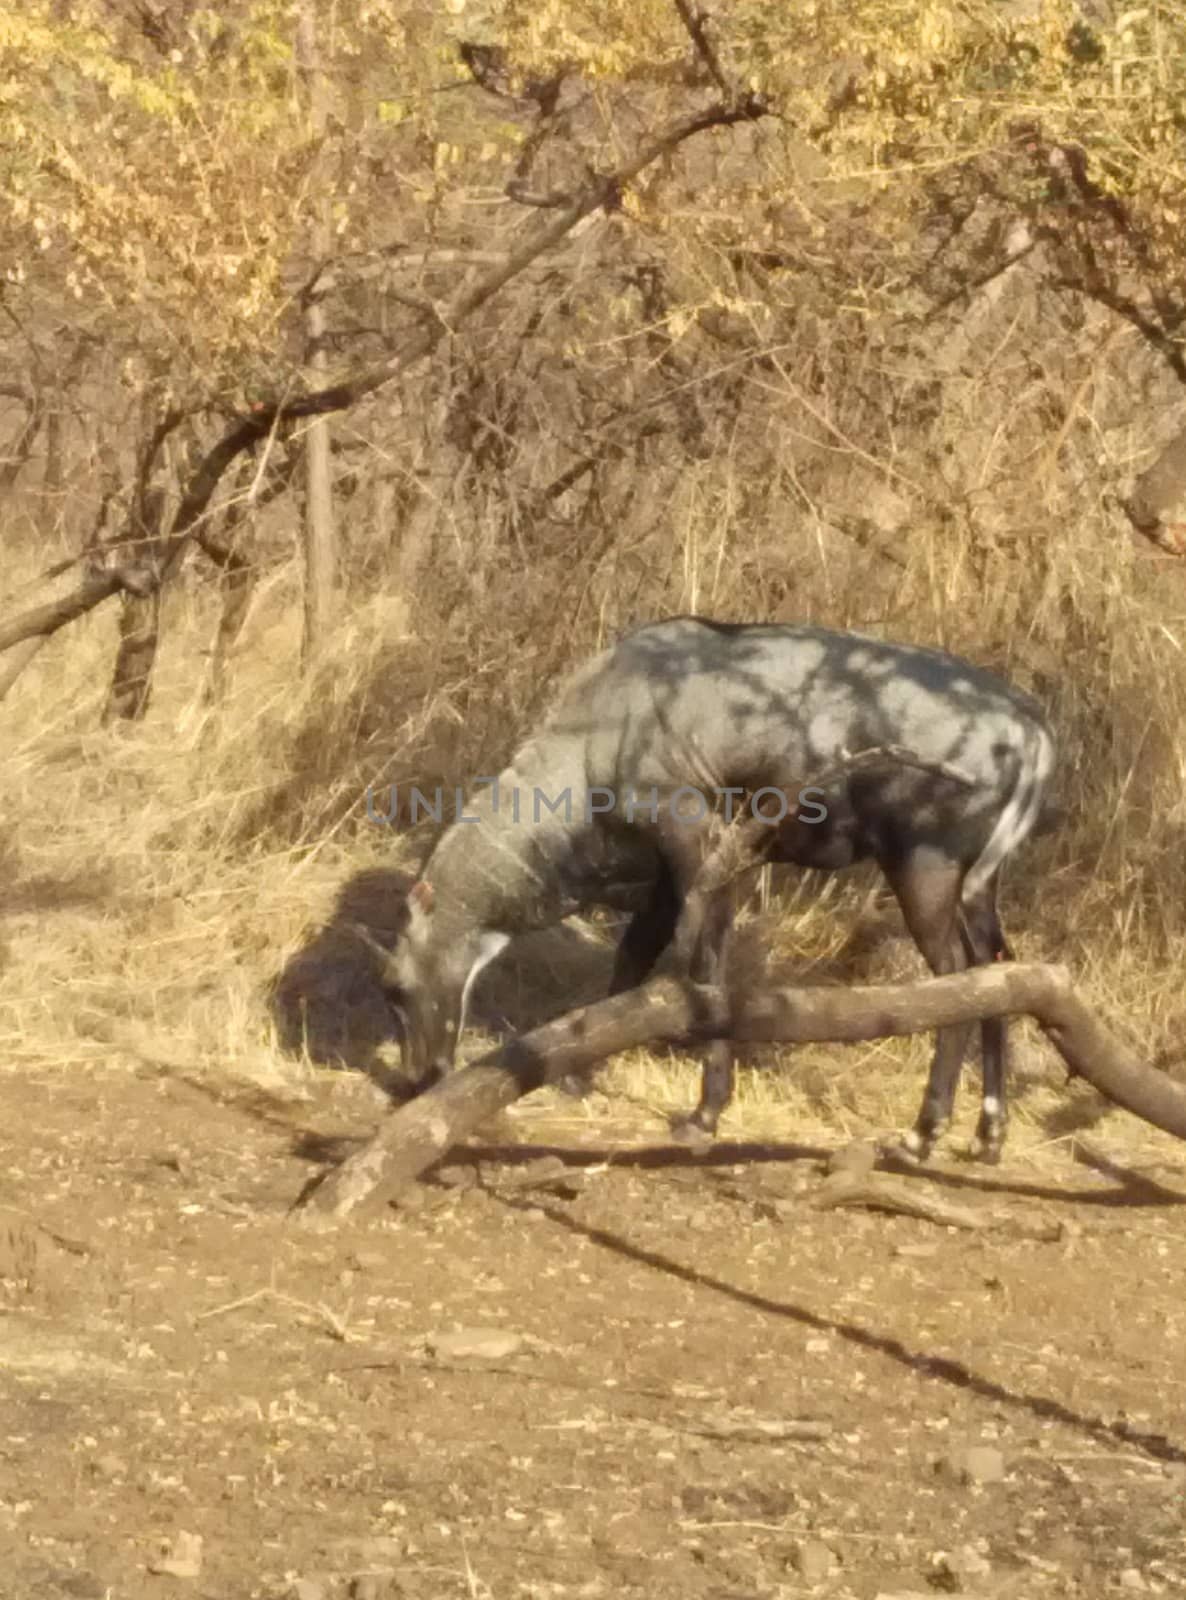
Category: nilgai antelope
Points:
column 686, row 705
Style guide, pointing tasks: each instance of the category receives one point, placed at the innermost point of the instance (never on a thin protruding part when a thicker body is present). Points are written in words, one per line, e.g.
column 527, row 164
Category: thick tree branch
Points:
column 523, row 196
column 239, row 572
column 665, row 1011
column 45, row 619
column 16, row 661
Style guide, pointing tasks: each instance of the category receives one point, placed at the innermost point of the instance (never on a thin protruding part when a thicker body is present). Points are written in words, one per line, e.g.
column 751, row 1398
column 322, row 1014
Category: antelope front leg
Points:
column 987, row 943
column 927, row 882
column 703, row 942
column 716, row 1091
column 647, row 936
column 989, row 1139
column 938, row 1101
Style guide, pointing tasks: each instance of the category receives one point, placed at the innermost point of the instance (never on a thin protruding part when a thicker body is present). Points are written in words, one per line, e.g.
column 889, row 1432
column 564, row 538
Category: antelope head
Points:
column 428, row 978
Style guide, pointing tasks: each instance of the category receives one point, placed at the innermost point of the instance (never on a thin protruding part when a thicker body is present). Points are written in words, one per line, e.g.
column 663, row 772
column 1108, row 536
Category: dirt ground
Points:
column 626, row 1369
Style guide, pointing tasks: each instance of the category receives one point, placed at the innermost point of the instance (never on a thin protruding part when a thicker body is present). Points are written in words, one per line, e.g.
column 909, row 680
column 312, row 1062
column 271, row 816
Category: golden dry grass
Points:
column 161, row 876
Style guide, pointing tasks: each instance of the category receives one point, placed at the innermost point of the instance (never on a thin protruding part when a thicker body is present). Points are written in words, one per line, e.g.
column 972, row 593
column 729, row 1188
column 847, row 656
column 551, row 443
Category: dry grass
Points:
column 162, row 876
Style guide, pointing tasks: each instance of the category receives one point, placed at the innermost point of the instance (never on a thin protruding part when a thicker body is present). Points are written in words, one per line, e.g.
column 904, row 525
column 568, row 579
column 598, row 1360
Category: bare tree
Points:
column 139, row 627
column 320, row 542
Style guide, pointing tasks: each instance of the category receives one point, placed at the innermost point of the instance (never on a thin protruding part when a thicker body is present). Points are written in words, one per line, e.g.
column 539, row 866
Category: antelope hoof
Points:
column 989, row 1139
column 987, row 1151
column 911, row 1150
column 690, row 1129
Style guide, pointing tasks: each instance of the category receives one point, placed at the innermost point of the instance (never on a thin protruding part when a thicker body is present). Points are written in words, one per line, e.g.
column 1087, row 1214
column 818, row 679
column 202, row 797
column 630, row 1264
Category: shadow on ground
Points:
column 326, row 1001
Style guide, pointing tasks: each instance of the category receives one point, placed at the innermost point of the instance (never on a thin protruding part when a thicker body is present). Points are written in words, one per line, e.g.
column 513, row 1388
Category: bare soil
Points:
column 993, row 1413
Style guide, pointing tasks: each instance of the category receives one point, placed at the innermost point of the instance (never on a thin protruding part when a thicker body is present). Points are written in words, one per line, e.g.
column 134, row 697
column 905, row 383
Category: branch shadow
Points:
column 940, row 1369
column 1132, row 1189
column 325, row 1002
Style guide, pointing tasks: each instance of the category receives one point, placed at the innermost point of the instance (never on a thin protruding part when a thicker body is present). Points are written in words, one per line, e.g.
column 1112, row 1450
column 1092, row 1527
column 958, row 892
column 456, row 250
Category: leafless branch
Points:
column 22, row 445
column 693, row 21
column 523, row 196
column 964, row 291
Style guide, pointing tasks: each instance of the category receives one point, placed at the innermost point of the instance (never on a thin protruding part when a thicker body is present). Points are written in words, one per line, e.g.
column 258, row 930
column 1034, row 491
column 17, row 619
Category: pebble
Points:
column 814, row 1561
column 978, row 1463
column 486, row 1344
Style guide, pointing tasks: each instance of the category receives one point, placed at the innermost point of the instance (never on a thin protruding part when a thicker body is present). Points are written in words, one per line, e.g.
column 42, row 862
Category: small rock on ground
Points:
column 307, row 1589
column 978, row 1463
column 487, row 1344
column 962, row 1570
column 814, row 1561
column 181, row 1558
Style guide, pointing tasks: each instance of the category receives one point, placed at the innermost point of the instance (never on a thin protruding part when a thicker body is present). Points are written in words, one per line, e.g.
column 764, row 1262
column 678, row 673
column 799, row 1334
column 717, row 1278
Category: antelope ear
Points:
column 420, row 895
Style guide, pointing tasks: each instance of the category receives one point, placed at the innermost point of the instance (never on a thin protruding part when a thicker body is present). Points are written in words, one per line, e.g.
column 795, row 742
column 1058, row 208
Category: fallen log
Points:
column 665, row 1011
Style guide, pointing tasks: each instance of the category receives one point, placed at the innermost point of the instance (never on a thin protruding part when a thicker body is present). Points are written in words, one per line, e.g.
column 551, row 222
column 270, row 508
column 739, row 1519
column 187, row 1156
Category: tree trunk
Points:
column 139, row 630
column 437, row 469
column 664, row 1011
column 384, row 518
column 53, row 482
column 321, row 553
column 240, row 574
column 238, row 586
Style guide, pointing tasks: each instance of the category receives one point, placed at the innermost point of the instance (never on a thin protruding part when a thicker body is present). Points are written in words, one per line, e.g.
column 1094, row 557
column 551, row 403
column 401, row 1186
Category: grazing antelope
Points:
column 581, row 817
